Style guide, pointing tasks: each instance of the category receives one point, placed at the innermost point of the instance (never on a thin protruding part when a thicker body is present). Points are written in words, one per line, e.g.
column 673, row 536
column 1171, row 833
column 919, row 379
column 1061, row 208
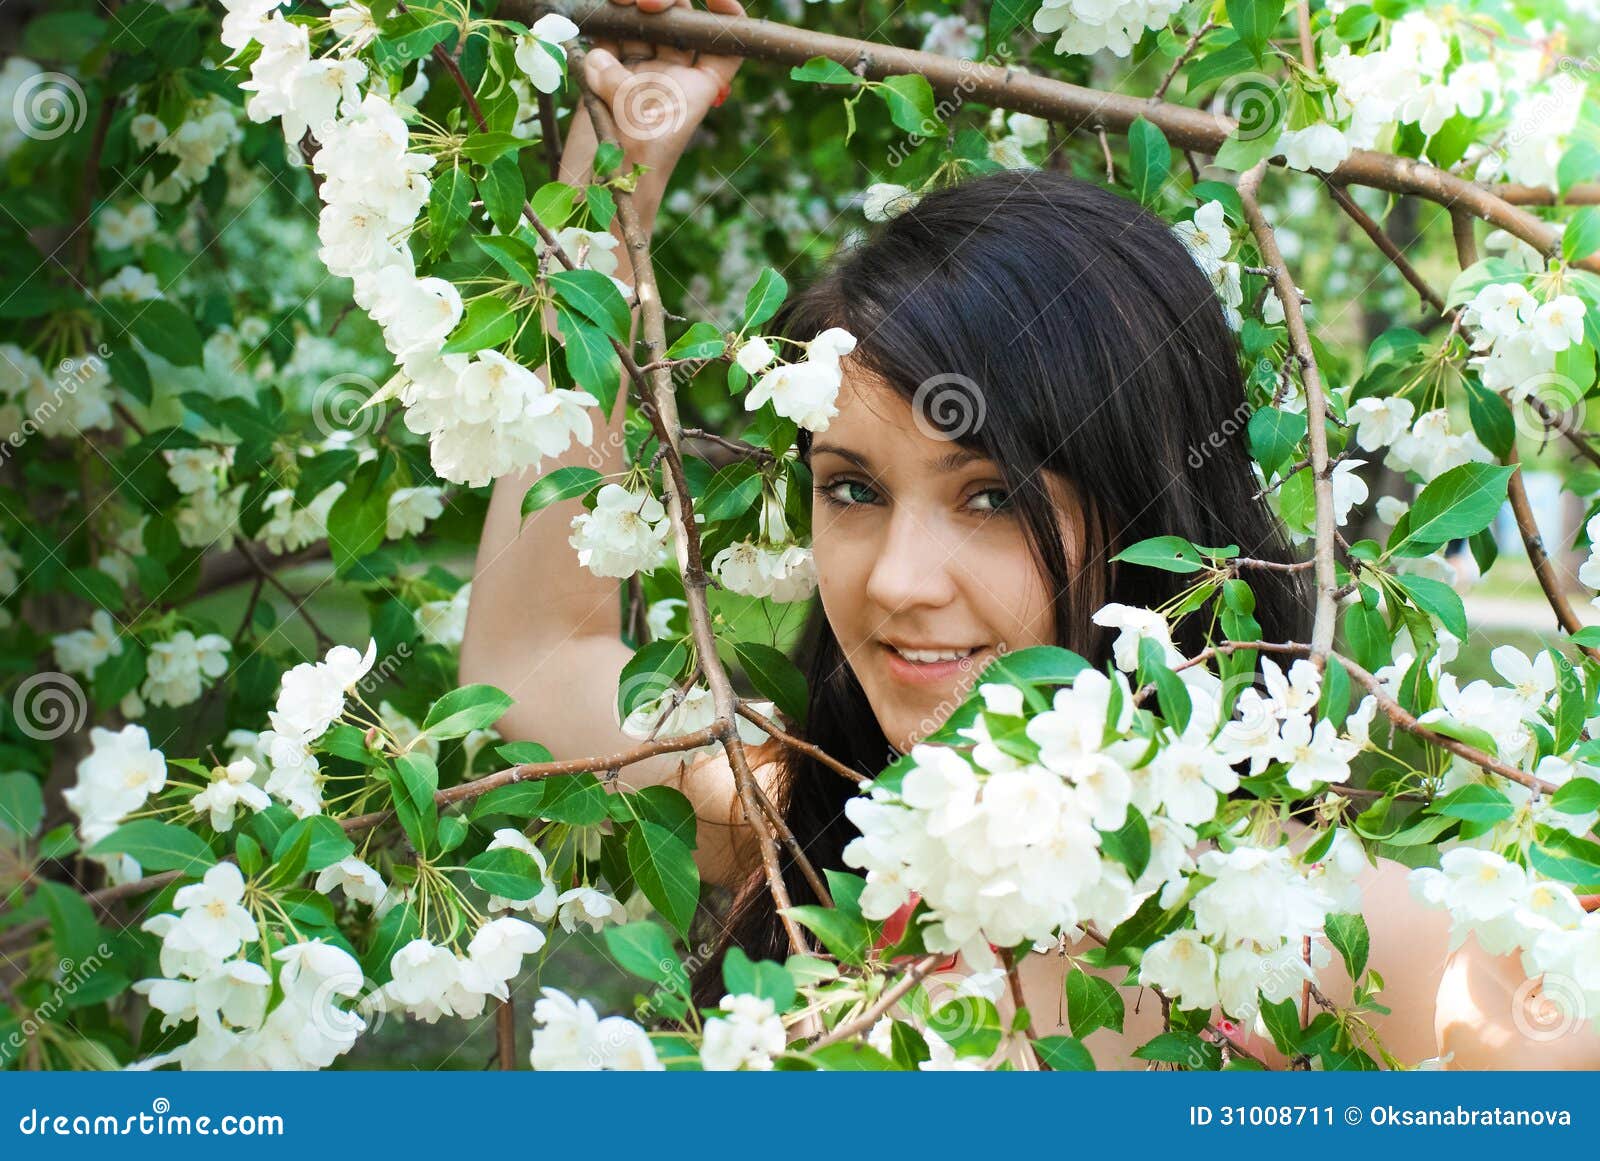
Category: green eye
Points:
column 855, row 492
column 999, row 505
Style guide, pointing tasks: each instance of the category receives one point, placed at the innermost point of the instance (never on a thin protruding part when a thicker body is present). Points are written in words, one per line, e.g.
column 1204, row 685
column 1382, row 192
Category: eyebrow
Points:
column 953, row 458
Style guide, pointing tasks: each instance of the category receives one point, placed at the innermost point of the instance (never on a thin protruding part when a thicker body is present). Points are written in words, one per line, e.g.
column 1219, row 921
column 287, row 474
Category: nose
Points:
column 914, row 565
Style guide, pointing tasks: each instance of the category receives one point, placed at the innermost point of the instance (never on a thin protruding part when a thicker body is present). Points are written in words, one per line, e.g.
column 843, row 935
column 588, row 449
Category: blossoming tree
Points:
column 286, row 287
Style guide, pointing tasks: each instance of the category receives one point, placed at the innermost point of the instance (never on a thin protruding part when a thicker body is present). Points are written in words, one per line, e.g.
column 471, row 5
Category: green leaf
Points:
column 161, row 327
column 562, row 484
column 490, row 149
column 72, row 924
column 843, row 935
column 511, row 254
column 21, row 804
column 359, row 517
column 591, row 360
column 327, row 843
column 459, row 712
column 1064, row 1054
column 701, row 341
column 594, row 296
column 649, row 673
column 1168, row 553
column 1581, row 238
column 449, row 203
column 413, row 781
column 819, row 70
column 1149, row 161
column 1458, row 503
column 1579, row 796
column 1092, row 1002
column 503, row 193
column 1348, row 934
column 159, row 846
column 489, row 322
column 1474, row 802
column 764, row 298
column 519, row 800
column 646, row 950
column 1436, row 597
column 1274, row 437
column 1571, row 705
column 1183, row 1048
column 911, row 104
column 775, row 676
column 507, row 872
column 1254, row 21
column 664, row 869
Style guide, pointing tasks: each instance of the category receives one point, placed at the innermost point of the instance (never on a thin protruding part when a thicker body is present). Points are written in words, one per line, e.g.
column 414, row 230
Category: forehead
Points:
column 880, row 425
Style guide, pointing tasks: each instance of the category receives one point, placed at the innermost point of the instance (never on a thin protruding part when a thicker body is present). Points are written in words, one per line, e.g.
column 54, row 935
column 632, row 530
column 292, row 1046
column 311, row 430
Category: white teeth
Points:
column 928, row 656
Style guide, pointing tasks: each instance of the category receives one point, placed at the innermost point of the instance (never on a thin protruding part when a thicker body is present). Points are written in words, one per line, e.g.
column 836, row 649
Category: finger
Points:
column 604, row 72
column 630, row 50
column 722, row 68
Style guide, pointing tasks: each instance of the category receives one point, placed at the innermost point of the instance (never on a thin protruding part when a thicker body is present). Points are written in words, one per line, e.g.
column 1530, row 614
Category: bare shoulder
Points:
column 725, row 850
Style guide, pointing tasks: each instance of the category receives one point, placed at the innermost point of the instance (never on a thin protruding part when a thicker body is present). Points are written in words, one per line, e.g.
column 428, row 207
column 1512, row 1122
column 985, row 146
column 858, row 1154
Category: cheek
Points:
column 1015, row 597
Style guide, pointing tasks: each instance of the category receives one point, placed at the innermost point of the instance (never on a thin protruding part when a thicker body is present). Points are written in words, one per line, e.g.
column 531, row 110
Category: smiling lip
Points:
column 921, row 672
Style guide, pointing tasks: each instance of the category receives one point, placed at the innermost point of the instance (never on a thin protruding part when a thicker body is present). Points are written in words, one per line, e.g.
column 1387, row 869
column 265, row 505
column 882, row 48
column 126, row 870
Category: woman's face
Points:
column 923, row 566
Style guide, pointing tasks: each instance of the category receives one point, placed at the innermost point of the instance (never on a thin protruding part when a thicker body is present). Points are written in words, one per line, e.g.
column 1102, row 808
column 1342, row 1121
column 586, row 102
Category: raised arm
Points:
column 539, row 625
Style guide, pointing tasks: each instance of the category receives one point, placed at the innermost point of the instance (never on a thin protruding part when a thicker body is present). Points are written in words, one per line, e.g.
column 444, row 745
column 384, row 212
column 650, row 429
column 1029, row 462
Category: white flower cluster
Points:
column 1018, row 132
column 625, row 533
column 1519, row 337
column 310, row 699
column 431, row 980
column 227, row 997
column 484, row 415
column 120, row 772
column 1209, row 241
column 1249, row 925
column 571, row 1037
column 1429, row 446
column 881, row 201
column 33, row 403
column 772, row 565
column 209, row 129
column 84, row 650
column 674, row 713
column 209, row 512
column 289, row 528
column 1004, row 850
column 1087, row 26
column 805, row 391
column 1409, row 80
column 1508, row 909
column 116, row 229
column 748, row 1037
column 175, row 669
